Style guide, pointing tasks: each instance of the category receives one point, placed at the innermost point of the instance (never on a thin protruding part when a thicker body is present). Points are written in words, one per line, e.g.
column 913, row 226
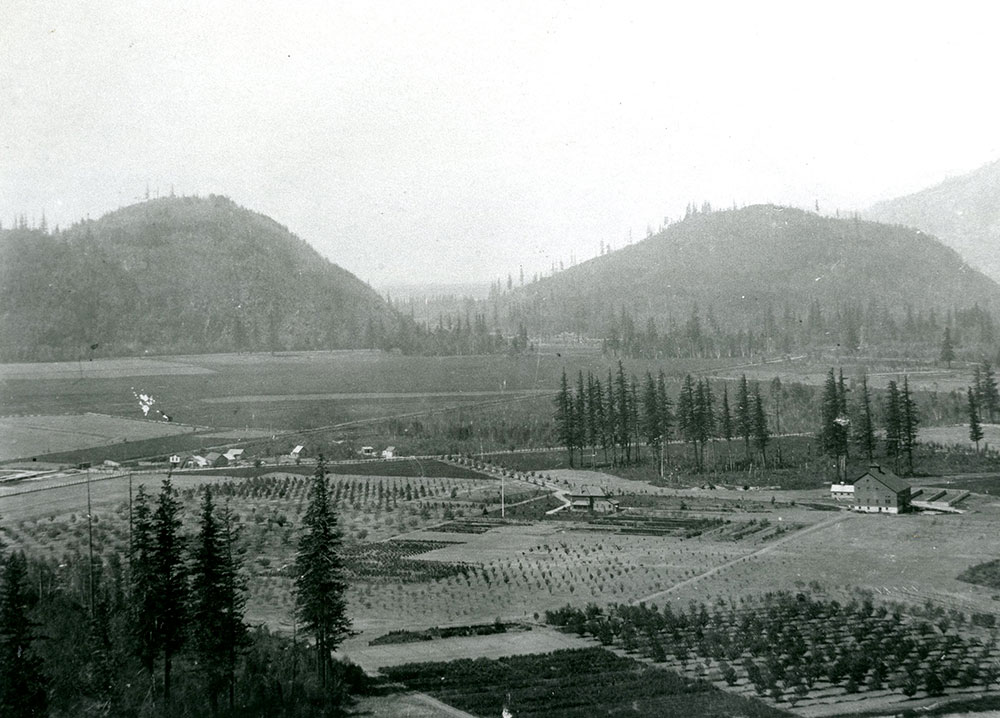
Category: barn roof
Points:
column 886, row 478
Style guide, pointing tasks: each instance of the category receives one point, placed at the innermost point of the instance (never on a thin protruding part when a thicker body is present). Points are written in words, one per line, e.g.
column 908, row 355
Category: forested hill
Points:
column 172, row 275
column 765, row 270
column 964, row 212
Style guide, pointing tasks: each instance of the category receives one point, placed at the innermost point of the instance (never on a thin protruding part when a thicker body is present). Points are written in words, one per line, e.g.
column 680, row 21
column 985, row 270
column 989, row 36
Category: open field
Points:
column 26, row 436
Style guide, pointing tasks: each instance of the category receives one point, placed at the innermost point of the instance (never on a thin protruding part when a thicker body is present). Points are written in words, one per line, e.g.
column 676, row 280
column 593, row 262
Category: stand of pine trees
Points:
column 622, row 414
column 162, row 632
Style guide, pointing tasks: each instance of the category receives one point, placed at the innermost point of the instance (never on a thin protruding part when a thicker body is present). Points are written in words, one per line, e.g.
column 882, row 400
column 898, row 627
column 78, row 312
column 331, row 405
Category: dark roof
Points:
column 588, row 491
column 886, row 478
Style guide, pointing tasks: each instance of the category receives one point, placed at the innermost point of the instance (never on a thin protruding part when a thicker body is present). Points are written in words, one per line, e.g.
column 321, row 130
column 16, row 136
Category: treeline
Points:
column 846, row 325
column 452, row 336
column 165, row 629
column 621, row 414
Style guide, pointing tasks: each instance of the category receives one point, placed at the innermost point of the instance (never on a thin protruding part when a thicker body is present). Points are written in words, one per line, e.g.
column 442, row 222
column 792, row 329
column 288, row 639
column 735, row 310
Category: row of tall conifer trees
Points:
column 181, row 601
column 621, row 413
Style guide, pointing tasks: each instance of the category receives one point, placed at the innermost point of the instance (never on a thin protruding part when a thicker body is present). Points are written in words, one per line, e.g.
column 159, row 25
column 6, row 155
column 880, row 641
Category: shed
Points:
column 593, row 499
column 389, row 452
column 214, row 458
column 880, row 491
column 842, row 491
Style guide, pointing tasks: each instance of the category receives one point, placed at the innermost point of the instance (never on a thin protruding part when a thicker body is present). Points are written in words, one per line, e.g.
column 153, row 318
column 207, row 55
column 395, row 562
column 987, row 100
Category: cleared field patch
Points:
column 909, row 559
column 100, row 369
column 959, row 435
column 23, row 436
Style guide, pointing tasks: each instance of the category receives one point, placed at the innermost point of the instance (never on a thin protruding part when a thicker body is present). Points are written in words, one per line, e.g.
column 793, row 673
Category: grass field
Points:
column 27, row 436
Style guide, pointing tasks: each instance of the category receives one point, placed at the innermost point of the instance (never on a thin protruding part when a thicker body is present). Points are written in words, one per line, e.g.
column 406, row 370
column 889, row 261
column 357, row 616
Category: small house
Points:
column 592, row 499
column 109, row 464
column 880, row 491
column 389, row 452
column 368, row 452
column 175, row 460
column 197, row 461
column 296, row 453
column 233, row 456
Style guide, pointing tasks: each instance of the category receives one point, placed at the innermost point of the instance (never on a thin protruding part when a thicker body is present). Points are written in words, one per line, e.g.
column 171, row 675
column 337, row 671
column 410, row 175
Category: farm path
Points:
column 794, row 536
column 443, row 708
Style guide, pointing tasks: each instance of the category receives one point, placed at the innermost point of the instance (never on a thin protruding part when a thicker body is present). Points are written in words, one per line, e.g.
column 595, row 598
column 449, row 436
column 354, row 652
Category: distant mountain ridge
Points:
column 963, row 212
column 748, row 263
column 177, row 274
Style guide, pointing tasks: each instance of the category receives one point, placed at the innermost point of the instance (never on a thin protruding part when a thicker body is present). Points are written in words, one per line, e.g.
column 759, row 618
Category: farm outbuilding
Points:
column 593, row 499
column 842, row 491
column 880, row 491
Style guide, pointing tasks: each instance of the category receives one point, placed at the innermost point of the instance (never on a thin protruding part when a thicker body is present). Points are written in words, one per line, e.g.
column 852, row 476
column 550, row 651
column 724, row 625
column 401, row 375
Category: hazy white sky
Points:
column 447, row 141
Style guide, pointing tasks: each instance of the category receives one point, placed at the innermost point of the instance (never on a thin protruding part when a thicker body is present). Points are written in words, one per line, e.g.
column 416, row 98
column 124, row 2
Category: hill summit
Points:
column 747, row 266
column 177, row 274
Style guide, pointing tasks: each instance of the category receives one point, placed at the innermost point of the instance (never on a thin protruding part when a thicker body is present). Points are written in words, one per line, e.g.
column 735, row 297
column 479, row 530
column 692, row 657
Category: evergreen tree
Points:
column 234, row 589
column 651, row 414
column 864, row 425
column 744, row 415
column 142, row 584
column 726, row 423
column 761, row 436
column 564, row 417
column 666, row 415
column 910, row 422
column 594, row 409
column 833, row 431
column 22, row 681
column 990, row 399
column 217, row 626
column 169, row 580
column 947, row 348
column 893, row 424
column 686, row 418
column 622, row 404
column 320, row 586
column 975, row 429
column 704, row 416
column 580, row 416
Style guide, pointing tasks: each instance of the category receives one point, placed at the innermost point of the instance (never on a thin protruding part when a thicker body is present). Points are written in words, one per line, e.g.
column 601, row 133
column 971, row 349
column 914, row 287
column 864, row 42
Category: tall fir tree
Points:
column 761, row 435
column 216, row 613
column 22, row 677
column 686, row 417
column 726, row 422
column 910, row 423
column 666, row 415
column 142, row 584
column 234, row 583
column 893, row 415
column 864, row 423
column 320, row 585
column 947, row 348
column 622, row 404
column 564, row 417
column 975, row 428
column 580, row 415
column 169, row 580
column 990, row 399
column 744, row 413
